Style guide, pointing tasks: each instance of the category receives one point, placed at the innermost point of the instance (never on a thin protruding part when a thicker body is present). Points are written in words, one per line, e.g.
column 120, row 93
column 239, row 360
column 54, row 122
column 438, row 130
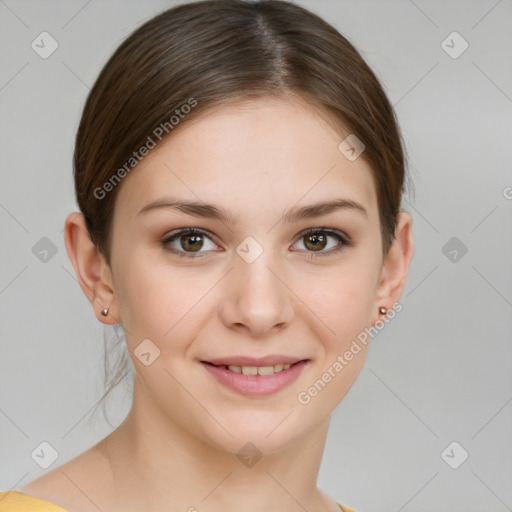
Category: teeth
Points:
column 250, row 370
column 266, row 370
column 259, row 370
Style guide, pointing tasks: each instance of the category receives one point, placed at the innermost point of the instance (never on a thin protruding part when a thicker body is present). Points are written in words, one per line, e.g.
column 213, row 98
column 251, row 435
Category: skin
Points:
column 256, row 160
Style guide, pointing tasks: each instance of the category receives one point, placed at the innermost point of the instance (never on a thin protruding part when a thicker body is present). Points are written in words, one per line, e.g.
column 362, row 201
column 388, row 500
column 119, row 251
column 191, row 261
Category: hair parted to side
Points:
column 216, row 52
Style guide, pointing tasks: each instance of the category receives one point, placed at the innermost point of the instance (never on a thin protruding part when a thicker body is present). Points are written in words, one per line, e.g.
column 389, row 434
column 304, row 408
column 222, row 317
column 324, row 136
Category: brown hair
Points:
column 208, row 53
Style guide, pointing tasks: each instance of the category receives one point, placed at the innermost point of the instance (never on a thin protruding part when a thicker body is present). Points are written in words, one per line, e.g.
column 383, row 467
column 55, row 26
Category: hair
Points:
column 196, row 56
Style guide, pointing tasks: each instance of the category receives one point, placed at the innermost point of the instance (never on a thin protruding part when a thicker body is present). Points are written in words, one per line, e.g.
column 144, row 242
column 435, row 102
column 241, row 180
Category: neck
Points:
column 167, row 468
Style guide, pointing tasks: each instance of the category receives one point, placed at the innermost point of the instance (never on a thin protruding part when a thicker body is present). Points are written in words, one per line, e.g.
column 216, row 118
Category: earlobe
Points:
column 91, row 269
column 396, row 264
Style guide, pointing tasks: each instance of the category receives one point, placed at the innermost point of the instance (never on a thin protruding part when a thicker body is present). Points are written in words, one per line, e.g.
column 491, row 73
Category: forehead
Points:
column 251, row 154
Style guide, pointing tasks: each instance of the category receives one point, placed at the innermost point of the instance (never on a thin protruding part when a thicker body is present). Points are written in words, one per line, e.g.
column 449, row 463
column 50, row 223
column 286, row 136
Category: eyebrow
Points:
column 294, row 214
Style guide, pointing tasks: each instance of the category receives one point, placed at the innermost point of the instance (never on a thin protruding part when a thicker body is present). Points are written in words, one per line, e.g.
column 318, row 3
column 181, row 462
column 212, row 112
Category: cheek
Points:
column 343, row 299
column 159, row 301
column 344, row 307
column 147, row 296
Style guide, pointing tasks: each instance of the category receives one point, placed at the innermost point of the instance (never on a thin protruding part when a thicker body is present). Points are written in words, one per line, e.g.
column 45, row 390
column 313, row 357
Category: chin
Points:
column 265, row 433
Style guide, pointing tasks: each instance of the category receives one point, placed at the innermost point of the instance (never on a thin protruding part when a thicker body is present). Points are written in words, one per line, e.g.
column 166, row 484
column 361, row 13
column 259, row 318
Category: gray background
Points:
column 439, row 372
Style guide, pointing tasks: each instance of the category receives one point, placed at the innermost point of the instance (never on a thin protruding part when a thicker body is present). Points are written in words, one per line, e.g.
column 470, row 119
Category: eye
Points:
column 188, row 242
column 315, row 240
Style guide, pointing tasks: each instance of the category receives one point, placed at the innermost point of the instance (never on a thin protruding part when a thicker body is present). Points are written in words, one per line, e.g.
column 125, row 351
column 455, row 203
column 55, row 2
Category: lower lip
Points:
column 256, row 385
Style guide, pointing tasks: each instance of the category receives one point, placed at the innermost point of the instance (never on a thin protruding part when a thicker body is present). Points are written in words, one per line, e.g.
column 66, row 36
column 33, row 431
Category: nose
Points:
column 256, row 297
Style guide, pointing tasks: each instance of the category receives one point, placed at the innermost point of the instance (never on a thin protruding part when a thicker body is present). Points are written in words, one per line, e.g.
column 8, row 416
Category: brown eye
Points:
column 315, row 242
column 188, row 243
column 191, row 242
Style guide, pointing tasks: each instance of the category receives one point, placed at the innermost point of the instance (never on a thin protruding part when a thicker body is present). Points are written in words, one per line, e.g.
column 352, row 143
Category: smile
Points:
column 256, row 370
column 256, row 380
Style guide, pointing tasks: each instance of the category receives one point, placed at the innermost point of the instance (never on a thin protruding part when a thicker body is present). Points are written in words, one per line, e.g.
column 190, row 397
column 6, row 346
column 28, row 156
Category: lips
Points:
column 267, row 365
column 256, row 376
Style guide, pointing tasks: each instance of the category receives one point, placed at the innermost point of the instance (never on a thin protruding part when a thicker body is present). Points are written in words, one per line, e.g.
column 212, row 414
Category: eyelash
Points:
column 343, row 241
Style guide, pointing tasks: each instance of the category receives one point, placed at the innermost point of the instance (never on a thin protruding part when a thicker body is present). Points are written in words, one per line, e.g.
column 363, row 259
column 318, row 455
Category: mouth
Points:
column 246, row 377
column 256, row 370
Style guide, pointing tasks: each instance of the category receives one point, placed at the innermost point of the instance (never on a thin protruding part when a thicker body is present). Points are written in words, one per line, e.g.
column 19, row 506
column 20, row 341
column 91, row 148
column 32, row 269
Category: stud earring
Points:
column 383, row 311
column 104, row 312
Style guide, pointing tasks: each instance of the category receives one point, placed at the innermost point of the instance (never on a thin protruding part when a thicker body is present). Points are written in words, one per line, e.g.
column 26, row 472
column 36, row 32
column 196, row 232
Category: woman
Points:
column 239, row 173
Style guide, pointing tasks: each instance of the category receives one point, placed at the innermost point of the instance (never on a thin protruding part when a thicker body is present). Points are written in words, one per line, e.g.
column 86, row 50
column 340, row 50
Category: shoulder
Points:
column 15, row 501
column 51, row 492
column 61, row 489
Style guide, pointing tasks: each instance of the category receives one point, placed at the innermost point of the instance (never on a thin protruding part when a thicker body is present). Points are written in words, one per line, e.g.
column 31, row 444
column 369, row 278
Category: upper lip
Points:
column 270, row 360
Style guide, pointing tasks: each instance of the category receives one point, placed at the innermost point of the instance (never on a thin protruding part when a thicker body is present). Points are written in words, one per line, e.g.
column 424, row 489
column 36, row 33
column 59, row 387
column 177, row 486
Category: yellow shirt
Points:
column 15, row 501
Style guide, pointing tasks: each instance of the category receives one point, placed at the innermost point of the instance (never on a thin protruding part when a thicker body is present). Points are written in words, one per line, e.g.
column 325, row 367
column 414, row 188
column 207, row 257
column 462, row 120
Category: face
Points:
column 264, row 280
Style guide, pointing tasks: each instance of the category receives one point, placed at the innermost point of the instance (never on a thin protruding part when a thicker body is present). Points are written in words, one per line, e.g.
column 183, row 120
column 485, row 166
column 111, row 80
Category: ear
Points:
column 395, row 266
column 92, row 270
